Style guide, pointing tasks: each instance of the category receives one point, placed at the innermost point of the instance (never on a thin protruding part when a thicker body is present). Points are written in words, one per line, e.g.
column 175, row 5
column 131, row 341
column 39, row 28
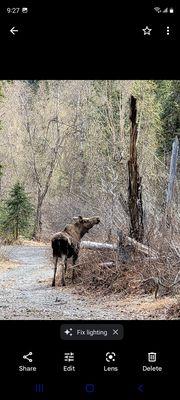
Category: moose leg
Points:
column 55, row 269
column 65, row 263
column 75, row 257
column 63, row 268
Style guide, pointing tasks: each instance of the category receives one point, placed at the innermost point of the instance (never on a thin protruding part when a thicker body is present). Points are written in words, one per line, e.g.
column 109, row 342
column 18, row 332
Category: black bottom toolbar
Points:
column 93, row 350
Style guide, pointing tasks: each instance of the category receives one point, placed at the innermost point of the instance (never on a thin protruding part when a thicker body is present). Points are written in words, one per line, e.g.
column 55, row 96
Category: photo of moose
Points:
column 89, row 199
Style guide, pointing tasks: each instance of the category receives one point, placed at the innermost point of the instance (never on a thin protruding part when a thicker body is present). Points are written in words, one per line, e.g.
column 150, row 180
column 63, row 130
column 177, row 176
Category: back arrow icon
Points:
column 13, row 30
column 140, row 388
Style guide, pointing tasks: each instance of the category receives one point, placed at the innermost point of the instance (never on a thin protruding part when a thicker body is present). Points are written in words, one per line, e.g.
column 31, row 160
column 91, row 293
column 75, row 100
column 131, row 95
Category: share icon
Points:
column 26, row 357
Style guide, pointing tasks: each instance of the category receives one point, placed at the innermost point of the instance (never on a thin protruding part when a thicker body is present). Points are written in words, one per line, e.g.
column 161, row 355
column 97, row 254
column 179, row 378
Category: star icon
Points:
column 147, row 31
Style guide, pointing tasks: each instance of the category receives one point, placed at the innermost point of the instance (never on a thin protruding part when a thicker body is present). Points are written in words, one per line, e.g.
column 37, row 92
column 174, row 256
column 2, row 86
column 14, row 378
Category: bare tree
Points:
column 42, row 187
column 135, row 188
column 45, row 140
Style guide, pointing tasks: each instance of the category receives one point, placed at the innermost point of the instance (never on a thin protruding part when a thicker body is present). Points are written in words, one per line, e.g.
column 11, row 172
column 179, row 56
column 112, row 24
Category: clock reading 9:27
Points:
column 13, row 10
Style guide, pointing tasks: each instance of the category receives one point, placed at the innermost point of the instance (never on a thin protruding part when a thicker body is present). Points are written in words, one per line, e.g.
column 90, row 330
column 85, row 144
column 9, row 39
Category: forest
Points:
column 110, row 149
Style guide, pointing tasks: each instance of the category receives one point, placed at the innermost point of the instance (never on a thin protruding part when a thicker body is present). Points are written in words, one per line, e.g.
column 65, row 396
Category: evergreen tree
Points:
column 18, row 210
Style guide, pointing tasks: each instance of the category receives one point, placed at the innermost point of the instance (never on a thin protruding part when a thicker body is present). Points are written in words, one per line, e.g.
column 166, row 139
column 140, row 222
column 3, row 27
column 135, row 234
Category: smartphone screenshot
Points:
column 89, row 200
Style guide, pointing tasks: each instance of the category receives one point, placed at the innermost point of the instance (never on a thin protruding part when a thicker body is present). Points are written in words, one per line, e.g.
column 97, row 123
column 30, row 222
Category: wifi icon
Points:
column 157, row 9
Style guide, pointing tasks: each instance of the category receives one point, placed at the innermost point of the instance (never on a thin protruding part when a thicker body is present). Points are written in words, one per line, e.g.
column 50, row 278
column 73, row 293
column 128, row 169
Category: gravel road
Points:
column 26, row 292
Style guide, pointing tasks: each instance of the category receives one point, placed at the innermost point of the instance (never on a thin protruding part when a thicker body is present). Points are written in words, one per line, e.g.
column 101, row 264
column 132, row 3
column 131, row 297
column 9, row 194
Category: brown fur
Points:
column 66, row 243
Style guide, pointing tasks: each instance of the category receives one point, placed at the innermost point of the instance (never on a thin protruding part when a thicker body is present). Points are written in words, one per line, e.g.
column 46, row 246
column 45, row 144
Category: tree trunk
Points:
column 171, row 181
column 135, row 188
column 123, row 254
column 38, row 223
column 16, row 228
column 38, row 220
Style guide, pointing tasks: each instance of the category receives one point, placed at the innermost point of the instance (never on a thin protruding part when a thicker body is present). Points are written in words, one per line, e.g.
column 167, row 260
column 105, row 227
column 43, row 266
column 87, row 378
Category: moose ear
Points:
column 80, row 218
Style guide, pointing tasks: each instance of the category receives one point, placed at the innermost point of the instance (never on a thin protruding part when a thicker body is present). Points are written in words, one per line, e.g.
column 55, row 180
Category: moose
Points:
column 66, row 244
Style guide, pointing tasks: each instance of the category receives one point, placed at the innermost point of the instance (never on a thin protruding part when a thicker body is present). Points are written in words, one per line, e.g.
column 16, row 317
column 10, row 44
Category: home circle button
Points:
column 90, row 388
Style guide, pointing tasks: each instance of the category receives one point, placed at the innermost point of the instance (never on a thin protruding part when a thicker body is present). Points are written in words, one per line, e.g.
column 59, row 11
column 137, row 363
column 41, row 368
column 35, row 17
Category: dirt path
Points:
column 25, row 293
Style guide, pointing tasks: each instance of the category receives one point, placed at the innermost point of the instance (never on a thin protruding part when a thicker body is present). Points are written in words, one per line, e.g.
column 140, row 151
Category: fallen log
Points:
column 115, row 247
column 107, row 264
column 98, row 246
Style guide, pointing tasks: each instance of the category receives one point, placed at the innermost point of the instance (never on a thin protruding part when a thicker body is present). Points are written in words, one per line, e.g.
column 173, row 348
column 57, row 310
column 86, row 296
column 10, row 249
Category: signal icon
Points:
column 157, row 9
column 165, row 11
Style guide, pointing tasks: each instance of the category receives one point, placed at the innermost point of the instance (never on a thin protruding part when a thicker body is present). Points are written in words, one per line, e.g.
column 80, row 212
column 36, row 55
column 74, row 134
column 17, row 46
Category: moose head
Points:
column 85, row 224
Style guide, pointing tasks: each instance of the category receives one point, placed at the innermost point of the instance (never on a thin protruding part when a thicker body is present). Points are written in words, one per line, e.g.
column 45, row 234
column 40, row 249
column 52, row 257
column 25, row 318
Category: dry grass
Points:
column 21, row 241
column 124, row 279
column 173, row 312
column 28, row 242
column 120, row 287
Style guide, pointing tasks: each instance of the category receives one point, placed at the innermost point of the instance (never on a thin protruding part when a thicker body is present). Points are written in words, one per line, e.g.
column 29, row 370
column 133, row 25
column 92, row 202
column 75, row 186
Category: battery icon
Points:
column 171, row 10
column 24, row 10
